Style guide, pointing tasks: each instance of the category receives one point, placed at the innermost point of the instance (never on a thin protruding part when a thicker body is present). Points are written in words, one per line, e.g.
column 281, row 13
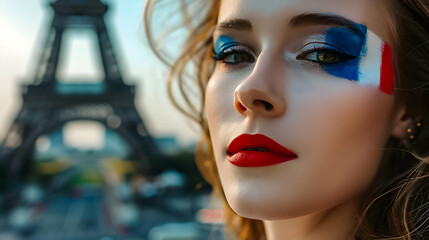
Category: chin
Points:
column 262, row 209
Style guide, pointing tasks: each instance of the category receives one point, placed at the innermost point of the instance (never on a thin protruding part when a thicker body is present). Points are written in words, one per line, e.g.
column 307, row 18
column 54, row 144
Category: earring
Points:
column 411, row 133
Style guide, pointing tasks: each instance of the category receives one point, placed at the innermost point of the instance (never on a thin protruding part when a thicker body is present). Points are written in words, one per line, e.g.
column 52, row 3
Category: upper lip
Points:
column 257, row 142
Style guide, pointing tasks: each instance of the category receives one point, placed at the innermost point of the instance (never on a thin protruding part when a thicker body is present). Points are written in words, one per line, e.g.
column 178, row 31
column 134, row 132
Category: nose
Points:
column 262, row 93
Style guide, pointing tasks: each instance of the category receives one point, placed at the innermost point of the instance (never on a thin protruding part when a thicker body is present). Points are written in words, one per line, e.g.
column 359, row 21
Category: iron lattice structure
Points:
column 48, row 103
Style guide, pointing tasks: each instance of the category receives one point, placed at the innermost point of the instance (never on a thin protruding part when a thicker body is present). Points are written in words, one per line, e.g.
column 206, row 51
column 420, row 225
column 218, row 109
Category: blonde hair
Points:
column 397, row 203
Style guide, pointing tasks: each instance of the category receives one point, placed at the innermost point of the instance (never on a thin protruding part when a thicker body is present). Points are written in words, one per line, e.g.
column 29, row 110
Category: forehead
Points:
column 273, row 15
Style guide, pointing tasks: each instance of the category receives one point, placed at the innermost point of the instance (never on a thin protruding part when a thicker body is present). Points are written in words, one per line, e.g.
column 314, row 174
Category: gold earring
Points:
column 411, row 133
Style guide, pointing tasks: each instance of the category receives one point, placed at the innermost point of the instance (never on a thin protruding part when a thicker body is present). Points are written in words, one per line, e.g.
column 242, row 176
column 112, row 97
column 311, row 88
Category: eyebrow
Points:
column 309, row 19
column 305, row 19
column 235, row 24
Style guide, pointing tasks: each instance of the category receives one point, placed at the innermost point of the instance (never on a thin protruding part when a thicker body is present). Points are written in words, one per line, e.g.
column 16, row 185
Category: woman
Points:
column 314, row 115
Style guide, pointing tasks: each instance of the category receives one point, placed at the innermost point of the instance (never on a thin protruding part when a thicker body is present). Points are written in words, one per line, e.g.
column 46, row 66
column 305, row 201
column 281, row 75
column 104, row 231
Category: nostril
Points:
column 268, row 106
column 240, row 108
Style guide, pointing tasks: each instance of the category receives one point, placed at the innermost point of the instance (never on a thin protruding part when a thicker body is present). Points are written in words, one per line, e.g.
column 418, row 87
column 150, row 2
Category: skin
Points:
column 337, row 127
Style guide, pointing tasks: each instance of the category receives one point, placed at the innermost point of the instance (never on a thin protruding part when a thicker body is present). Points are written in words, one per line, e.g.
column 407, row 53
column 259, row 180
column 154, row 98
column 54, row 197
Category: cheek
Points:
column 218, row 103
column 343, row 148
column 220, row 112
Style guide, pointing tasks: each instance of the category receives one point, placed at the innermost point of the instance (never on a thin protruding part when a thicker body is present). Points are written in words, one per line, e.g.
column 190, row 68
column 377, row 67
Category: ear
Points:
column 401, row 122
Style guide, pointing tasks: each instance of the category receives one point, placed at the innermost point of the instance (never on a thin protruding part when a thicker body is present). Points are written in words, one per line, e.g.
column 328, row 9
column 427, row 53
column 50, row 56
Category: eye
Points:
column 235, row 55
column 324, row 54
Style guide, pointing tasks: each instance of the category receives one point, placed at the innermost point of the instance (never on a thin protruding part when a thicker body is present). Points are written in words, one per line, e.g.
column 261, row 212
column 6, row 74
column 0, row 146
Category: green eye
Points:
column 235, row 55
column 324, row 56
column 239, row 57
column 327, row 57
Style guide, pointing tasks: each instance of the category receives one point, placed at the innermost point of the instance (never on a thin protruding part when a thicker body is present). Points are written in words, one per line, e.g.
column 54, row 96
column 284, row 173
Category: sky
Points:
column 23, row 24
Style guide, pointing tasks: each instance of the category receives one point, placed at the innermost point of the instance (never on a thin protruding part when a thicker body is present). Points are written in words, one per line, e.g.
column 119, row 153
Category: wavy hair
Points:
column 396, row 205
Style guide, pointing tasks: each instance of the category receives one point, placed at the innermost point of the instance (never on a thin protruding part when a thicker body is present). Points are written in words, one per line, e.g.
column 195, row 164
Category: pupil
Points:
column 241, row 58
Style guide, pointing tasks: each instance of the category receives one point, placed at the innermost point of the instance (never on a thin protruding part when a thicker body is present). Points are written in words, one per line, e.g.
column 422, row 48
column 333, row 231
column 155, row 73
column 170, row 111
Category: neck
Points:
column 337, row 223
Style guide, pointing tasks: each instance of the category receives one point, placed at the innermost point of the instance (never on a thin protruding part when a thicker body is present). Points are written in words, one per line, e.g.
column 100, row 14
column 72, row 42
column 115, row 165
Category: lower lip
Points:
column 258, row 158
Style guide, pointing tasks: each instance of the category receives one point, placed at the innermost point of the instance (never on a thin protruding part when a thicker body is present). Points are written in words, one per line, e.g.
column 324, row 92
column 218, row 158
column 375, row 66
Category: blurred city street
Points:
column 97, row 208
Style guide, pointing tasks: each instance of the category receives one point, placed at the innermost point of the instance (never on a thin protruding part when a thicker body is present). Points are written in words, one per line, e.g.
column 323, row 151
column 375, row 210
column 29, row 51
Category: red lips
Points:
column 257, row 151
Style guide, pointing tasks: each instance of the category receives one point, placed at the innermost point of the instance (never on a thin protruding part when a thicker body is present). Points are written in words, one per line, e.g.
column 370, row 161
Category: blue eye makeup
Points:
column 359, row 56
column 350, row 43
column 230, row 52
column 339, row 54
column 223, row 42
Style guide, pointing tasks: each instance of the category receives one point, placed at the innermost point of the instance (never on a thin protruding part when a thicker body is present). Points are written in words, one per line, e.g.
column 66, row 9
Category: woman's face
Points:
column 300, row 103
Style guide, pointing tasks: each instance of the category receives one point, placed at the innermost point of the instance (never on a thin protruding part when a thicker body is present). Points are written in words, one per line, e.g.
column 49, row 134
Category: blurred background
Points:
column 90, row 146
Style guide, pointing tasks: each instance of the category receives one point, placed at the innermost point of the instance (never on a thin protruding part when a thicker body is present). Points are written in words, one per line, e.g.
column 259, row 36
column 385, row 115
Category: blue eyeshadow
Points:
column 352, row 43
column 222, row 42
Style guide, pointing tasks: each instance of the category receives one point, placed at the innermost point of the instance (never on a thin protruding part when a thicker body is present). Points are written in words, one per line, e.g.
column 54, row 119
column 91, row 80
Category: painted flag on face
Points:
column 372, row 57
column 375, row 67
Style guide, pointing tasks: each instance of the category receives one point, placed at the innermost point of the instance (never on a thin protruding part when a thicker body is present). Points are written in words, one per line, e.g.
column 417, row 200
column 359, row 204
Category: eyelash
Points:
column 233, row 50
column 341, row 56
column 237, row 49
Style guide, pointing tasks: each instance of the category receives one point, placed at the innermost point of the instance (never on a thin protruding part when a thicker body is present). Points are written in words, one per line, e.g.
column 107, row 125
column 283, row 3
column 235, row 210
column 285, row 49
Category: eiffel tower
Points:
column 48, row 103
